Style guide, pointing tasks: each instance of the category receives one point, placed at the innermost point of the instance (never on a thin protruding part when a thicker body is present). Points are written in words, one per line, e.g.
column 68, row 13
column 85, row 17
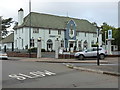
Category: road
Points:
column 64, row 78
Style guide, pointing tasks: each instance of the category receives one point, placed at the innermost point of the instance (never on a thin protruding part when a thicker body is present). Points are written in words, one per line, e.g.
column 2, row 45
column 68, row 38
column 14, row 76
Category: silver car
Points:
column 3, row 55
column 91, row 53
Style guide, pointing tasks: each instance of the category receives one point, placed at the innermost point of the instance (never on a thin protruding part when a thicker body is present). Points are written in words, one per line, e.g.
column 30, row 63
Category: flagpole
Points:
column 30, row 29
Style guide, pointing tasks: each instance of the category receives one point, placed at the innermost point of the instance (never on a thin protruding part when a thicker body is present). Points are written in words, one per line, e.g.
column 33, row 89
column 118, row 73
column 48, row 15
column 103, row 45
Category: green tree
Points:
column 117, row 38
column 5, row 23
column 106, row 27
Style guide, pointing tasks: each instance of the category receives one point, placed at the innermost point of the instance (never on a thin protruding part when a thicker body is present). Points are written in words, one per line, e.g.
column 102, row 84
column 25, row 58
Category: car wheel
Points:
column 102, row 56
column 81, row 57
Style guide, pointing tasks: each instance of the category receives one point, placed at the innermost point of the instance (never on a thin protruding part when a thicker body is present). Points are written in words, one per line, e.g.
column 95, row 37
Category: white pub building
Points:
column 72, row 32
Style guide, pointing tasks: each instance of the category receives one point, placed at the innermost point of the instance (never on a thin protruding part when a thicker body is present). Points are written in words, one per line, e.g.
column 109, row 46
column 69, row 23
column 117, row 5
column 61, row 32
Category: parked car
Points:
column 91, row 53
column 3, row 55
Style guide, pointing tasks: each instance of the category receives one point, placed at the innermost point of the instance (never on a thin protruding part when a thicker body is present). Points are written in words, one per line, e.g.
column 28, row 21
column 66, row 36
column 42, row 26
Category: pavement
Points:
column 53, row 60
column 107, row 66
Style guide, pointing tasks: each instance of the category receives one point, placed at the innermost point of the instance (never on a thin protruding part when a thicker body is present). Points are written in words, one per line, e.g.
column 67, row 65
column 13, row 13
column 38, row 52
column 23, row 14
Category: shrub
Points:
column 32, row 50
column 94, row 45
column 35, row 50
column 42, row 50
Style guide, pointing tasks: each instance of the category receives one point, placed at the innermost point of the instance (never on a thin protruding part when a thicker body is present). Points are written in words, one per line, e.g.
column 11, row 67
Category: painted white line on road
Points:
column 17, row 77
column 34, row 74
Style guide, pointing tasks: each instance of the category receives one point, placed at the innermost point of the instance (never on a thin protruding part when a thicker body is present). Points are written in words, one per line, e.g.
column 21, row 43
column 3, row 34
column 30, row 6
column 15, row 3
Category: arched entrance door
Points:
column 49, row 45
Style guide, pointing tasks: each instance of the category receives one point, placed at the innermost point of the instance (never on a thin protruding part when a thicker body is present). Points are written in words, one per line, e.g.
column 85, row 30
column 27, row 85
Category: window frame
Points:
column 22, row 43
column 59, row 32
column 36, row 30
column 49, row 31
column 85, row 34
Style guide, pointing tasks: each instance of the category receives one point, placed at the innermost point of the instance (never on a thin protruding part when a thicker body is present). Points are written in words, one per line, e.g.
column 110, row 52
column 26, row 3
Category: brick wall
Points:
column 15, row 54
column 66, row 56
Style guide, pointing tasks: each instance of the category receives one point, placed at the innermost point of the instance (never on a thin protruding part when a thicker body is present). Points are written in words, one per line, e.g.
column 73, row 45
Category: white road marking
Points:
column 17, row 77
column 34, row 74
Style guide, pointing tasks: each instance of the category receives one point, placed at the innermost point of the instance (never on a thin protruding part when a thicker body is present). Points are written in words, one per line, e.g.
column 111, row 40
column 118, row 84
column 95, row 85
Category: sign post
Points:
column 109, row 42
column 98, row 32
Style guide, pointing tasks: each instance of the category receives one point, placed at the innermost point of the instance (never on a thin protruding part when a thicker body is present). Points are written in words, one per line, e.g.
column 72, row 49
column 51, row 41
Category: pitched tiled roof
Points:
column 8, row 39
column 55, row 22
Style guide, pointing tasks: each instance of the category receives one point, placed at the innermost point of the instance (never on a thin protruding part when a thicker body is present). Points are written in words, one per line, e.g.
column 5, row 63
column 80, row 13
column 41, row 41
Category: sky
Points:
column 98, row 11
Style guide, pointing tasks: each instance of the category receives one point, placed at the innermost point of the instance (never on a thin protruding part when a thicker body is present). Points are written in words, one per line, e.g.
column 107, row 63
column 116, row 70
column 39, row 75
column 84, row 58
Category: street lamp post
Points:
column 98, row 32
column 98, row 63
column 105, row 39
column 30, row 29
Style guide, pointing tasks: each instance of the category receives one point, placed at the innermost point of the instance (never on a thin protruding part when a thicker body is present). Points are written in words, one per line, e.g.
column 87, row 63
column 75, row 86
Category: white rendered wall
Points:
column 8, row 46
column 45, row 36
column 23, row 33
column 89, row 37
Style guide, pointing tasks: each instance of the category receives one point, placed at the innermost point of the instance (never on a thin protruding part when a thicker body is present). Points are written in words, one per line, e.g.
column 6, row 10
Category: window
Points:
column 85, row 44
column 89, row 50
column 85, row 34
column 32, row 42
column 94, row 35
column 22, row 30
column 8, row 44
column 79, row 44
column 92, row 43
column 62, row 43
column 16, row 31
column 59, row 32
column 71, row 31
column 77, row 33
column 49, row 31
column 95, row 49
column 22, row 42
column 36, row 30
column 16, row 43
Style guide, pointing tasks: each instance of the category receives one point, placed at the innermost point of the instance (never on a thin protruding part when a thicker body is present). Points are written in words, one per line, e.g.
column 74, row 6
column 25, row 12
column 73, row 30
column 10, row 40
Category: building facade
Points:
column 71, row 32
column 7, row 44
